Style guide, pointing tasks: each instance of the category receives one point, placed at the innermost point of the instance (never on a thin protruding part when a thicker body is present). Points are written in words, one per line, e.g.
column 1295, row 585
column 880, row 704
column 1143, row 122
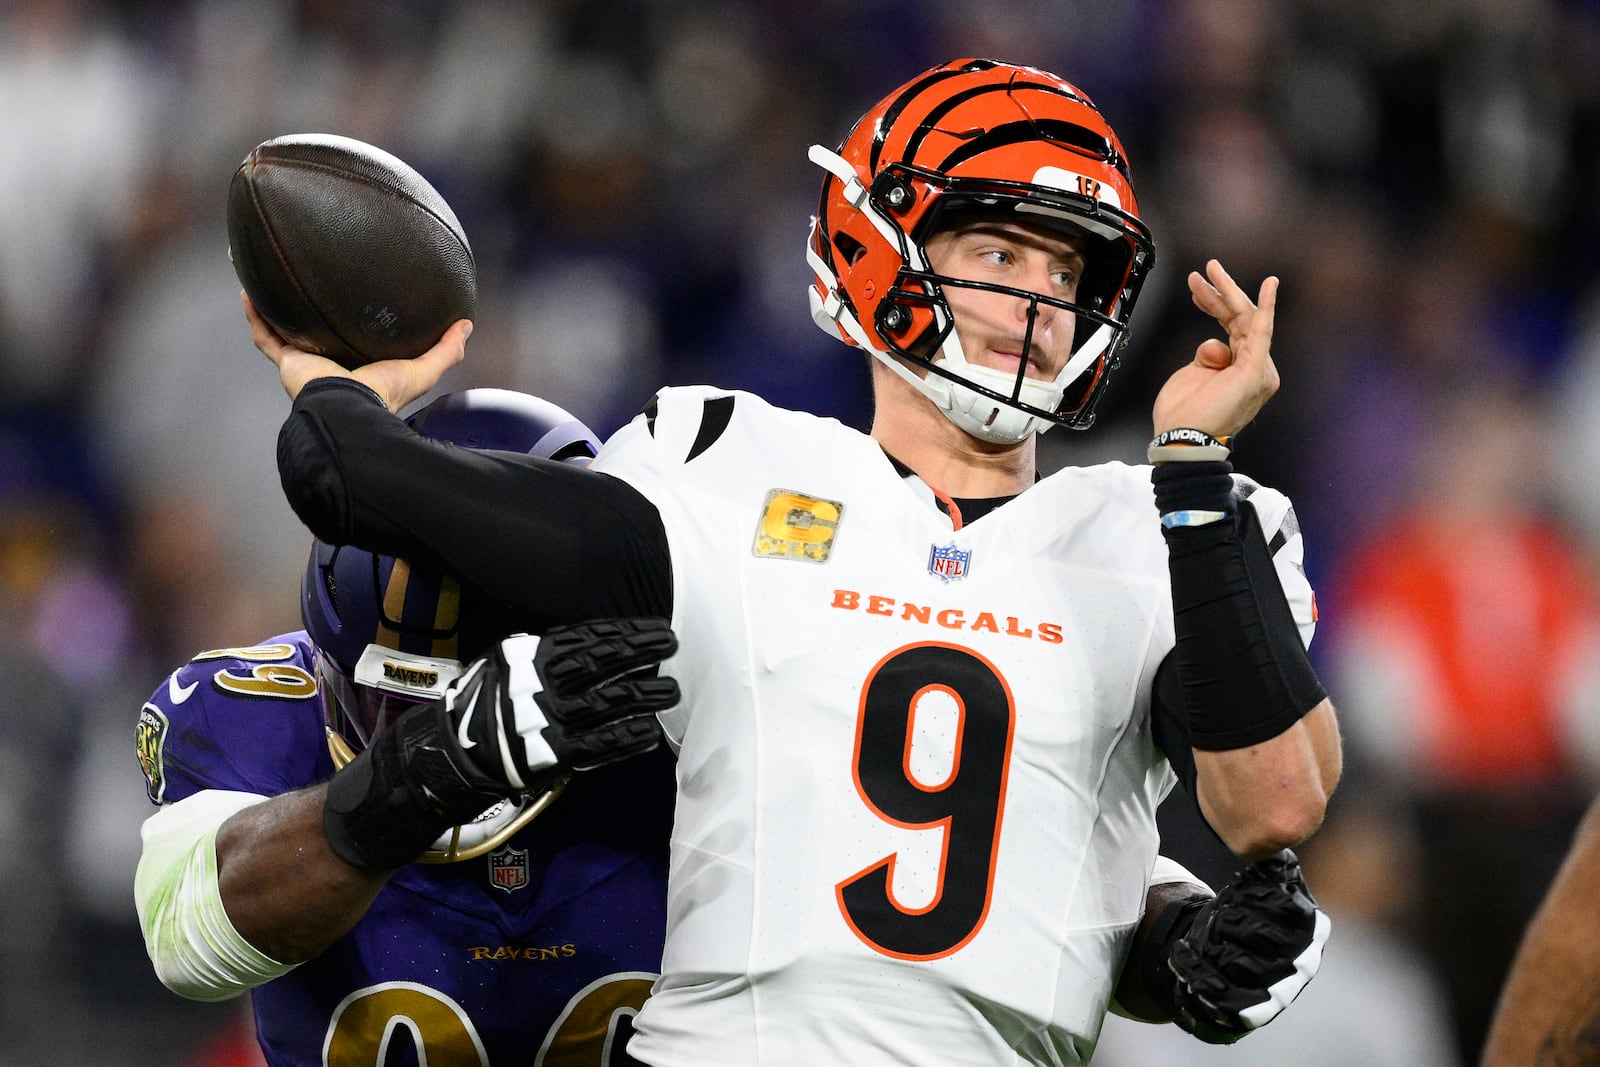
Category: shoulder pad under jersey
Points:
column 243, row 719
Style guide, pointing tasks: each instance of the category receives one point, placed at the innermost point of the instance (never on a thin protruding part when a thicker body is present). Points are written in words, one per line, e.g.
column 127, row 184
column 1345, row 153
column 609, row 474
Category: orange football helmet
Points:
column 991, row 136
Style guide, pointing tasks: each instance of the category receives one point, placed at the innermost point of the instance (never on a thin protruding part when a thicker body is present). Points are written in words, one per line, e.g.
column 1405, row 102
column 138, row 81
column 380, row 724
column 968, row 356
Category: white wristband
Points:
column 1191, row 518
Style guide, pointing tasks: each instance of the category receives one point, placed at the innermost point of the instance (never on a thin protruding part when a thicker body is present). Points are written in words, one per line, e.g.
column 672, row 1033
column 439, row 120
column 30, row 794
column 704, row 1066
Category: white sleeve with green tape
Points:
column 196, row 951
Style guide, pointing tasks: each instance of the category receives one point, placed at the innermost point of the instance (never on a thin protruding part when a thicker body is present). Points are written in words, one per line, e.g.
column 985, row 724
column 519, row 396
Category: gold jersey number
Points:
column 369, row 1021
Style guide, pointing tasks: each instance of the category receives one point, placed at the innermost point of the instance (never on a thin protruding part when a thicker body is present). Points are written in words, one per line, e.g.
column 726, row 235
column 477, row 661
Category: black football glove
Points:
column 1231, row 963
column 531, row 711
column 536, row 708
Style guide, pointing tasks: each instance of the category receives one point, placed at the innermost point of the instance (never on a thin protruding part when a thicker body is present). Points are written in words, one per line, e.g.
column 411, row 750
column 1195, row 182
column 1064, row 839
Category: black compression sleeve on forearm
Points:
column 1169, row 722
column 548, row 543
column 386, row 806
column 1244, row 671
column 308, row 466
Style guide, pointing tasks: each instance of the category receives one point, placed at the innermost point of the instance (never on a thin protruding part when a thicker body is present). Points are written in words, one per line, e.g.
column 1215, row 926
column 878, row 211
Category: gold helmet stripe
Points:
column 394, row 605
column 448, row 619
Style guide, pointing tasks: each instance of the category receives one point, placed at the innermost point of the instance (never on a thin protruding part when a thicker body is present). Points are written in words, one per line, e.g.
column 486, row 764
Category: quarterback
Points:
column 930, row 701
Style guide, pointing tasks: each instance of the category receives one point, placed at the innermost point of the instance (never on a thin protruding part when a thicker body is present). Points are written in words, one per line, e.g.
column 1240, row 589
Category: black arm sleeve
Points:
column 546, row 542
column 1169, row 721
column 1238, row 674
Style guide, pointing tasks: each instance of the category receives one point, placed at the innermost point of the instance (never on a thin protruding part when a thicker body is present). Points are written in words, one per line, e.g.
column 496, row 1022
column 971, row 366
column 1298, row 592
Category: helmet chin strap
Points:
column 984, row 417
column 981, row 416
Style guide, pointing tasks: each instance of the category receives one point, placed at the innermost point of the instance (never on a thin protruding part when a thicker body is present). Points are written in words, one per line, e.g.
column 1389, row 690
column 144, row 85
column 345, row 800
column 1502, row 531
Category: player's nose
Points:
column 1040, row 282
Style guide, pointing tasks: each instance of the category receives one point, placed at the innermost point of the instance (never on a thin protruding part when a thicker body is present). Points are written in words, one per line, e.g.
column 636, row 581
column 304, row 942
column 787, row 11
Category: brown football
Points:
column 346, row 250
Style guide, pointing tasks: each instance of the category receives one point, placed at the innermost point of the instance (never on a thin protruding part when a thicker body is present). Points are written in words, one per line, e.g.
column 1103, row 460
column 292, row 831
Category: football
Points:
column 346, row 250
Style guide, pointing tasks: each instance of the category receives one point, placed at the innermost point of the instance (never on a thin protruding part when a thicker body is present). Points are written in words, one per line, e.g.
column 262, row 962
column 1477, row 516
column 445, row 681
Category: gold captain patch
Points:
column 796, row 526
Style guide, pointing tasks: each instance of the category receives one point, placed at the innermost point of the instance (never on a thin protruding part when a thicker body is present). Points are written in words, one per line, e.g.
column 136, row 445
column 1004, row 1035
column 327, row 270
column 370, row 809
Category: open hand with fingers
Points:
column 1227, row 382
column 396, row 381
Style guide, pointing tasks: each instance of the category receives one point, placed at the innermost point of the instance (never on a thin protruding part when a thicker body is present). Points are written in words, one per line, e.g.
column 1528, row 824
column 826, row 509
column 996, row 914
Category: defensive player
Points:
column 930, row 702
column 517, row 939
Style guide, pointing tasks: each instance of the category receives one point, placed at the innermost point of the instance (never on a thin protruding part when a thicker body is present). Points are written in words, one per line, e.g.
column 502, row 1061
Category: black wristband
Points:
column 1245, row 674
column 385, row 807
column 1160, row 981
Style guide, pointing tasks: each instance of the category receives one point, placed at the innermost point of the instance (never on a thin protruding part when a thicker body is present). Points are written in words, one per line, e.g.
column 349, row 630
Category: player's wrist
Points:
column 333, row 379
column 388, row 805
column 1193, row 494
column 1160, row 981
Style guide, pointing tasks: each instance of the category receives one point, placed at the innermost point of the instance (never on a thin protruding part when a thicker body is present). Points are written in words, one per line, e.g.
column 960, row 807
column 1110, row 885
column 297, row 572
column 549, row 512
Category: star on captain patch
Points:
column 796, row 526
column 508, row 868
column 949, row 563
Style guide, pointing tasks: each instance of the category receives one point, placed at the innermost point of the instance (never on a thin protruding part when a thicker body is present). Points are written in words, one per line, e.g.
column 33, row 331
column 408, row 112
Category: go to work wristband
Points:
column 1186, row 445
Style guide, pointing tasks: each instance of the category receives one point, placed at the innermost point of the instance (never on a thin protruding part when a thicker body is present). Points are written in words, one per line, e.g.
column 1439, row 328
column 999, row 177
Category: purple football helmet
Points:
column 390, row 636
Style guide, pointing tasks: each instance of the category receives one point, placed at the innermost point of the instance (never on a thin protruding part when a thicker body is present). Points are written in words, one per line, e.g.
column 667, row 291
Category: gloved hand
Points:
column 1234, row 961
column 535, row 708
column 530, row 711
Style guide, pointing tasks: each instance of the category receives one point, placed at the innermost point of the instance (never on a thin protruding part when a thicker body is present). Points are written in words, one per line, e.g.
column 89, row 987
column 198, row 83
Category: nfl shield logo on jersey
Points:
column 947, row 562
column 508, row 868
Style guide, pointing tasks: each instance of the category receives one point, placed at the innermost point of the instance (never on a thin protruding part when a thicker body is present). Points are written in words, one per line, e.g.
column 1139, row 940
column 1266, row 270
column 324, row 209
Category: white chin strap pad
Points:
column 989, row 420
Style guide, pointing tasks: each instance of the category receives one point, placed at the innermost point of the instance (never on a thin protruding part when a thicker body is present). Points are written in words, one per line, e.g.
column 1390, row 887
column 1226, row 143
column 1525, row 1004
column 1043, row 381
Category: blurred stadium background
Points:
column 1423, row 174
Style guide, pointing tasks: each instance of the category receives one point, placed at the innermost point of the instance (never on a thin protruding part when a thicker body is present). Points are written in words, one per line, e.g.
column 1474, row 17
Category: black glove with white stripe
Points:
column 1231, row 963
column 536, row 708
column 531, row 711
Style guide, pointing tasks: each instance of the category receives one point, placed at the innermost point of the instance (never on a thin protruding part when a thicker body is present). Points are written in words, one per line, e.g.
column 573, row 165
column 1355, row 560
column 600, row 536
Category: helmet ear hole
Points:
column 577, row 450
column 849, row 248
column 331, row 588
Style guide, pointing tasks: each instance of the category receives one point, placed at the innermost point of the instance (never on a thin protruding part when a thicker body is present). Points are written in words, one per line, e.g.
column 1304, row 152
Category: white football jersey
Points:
column 917, row 784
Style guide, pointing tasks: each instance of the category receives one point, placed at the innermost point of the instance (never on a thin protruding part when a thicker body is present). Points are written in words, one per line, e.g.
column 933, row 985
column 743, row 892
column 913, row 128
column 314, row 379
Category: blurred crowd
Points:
column 1424, row 175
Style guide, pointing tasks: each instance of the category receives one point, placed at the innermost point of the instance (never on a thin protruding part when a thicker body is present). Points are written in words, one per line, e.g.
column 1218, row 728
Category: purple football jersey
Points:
column 546, row 945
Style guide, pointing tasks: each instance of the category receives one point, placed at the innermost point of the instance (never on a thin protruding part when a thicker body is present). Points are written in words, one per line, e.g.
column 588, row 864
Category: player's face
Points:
column 992, row 326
